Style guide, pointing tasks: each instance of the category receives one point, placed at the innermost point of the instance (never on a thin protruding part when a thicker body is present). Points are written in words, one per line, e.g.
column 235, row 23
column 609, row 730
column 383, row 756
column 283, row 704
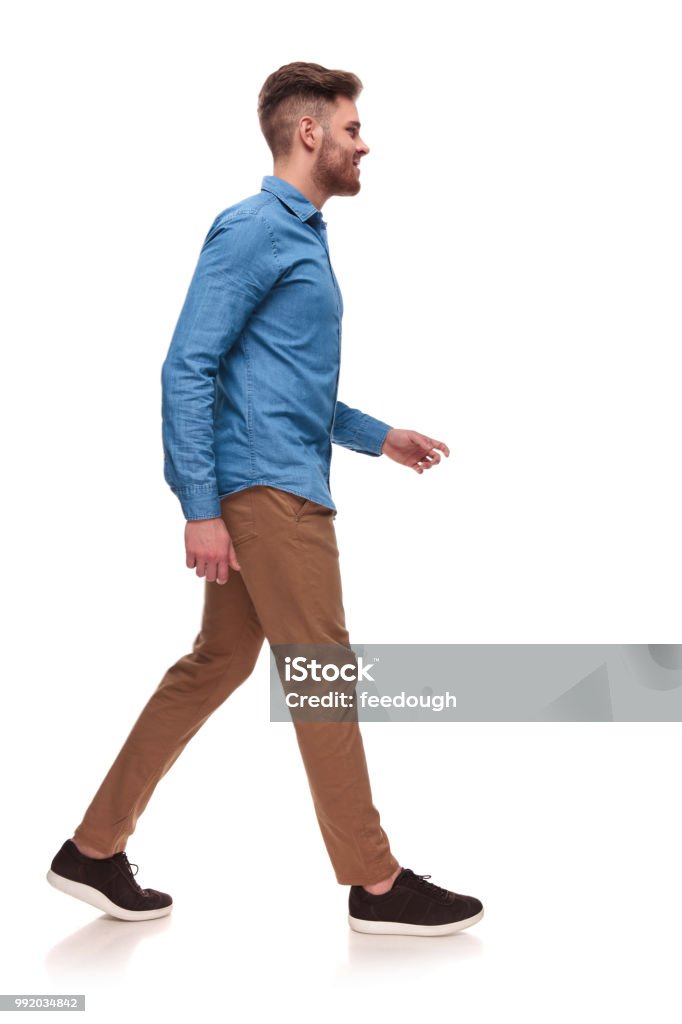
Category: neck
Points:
column 302, row 181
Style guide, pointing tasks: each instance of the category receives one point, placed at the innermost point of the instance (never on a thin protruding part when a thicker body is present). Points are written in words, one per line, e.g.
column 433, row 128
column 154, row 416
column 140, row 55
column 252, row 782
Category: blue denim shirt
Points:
column 250, row 381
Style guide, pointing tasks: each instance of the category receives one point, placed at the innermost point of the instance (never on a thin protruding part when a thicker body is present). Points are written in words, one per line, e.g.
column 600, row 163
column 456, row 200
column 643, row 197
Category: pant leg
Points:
column 223, row 655
column 290, row 567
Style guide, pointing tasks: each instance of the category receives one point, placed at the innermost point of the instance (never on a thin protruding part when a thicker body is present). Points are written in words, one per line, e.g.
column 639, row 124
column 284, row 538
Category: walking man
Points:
column 250, row 412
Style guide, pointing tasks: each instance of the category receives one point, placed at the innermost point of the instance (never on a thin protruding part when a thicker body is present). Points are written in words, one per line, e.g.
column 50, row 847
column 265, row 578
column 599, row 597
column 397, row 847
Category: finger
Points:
column 232, row 558
column 211, row 570
column 190, row 560
column 223, row 572
column 201, row 567
column 430, row 443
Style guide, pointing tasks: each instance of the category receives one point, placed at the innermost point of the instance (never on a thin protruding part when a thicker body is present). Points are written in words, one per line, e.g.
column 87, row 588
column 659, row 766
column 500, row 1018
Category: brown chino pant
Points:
column 288, row 592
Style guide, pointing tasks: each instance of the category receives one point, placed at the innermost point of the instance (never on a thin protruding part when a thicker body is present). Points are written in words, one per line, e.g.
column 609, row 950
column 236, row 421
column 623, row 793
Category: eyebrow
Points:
column 354, row 124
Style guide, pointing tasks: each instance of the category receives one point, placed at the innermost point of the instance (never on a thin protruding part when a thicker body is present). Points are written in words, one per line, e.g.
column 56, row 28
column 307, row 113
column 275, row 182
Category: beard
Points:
column 334, row 172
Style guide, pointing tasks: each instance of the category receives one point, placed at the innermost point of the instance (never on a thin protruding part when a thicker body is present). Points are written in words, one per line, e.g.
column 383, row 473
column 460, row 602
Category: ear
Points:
column 310, row 131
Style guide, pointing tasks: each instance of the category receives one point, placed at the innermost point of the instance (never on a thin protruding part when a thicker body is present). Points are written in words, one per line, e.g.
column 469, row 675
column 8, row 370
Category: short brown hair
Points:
column 295, row 90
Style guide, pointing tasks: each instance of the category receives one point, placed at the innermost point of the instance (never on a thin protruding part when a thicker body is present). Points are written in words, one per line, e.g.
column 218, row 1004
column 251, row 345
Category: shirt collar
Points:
column 291, row 197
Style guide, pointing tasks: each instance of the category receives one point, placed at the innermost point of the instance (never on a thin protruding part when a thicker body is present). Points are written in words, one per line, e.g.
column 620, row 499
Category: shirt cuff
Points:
column 373, row 434
column 200, row 506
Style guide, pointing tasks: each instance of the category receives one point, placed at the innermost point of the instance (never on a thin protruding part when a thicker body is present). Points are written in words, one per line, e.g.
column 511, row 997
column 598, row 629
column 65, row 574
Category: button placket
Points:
column 319, row 226
column 323, row 235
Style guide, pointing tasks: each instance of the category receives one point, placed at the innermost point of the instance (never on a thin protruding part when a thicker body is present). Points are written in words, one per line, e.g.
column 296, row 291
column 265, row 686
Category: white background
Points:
column 511, row 274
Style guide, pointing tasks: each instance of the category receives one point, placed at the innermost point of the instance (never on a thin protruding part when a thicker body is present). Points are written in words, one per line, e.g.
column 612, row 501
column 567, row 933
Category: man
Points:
column 250, row 411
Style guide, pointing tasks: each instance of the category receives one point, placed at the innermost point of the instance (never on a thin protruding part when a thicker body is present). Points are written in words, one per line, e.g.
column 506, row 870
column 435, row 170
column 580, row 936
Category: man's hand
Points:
column 410, row 448
column 210, row 549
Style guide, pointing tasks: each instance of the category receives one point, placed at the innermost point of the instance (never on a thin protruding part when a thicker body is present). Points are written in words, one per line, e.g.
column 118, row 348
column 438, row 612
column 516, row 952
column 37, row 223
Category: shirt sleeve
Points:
column 237, row 266
column 356, row 430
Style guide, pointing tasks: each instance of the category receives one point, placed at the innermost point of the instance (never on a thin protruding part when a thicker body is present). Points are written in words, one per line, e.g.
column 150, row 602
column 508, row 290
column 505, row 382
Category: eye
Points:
column 353, row 131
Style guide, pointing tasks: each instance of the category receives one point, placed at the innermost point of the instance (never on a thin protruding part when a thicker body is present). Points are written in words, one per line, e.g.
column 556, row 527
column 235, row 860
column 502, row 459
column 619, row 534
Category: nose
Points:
column 363, row 147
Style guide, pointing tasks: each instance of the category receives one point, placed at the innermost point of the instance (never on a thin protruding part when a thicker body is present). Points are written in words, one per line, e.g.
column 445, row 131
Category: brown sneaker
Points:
column 108, row 884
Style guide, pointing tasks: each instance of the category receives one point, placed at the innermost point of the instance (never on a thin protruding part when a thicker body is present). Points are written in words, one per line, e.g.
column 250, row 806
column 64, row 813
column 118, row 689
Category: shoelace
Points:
column 431, row 888
column 129, row 869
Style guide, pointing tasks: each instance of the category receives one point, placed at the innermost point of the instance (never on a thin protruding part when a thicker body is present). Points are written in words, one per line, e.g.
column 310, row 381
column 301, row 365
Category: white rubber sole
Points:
column 95, row 898
column 397, row 928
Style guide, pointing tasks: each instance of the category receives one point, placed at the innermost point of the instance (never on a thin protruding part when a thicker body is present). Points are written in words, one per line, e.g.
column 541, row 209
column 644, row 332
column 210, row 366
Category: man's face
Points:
column 336, row 169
